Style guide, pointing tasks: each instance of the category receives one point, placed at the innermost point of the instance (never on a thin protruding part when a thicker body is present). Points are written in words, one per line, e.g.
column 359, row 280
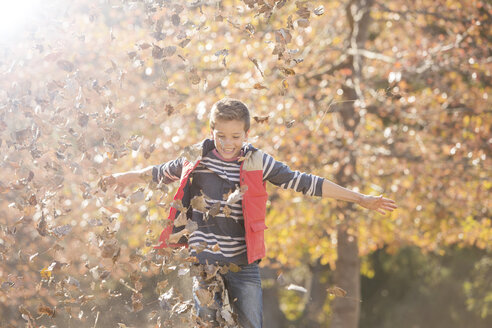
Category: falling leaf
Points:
column 257, row 65
column 184, row 43
column 283, row 36
column 297, row 288
column 32, row 257
column 168, row 51
column 191, row 226
column 302, row 22
column 157, row 52
column 175, row 237
column 245, row 157
column 65, row 65
column 109, row 248
column 287, row 71
column 289, row 124
column 178, row 205
column 250, row 28
column 237, row 195
column 214, row 210
column 319, row 11
column 137, row 302
column 261, row 119
column 46, row 310
column 62, row 230
column 181, row 220
column 227, row 211
column 285, row 84
column 193, row 76
column 204, row 297
column 137, row 196
column 259, row 86
column 336, row 291
column 45, row 273
column 175, row 19
column 42, row 226
column 198, row 203
column 234, row 267
column 216, row 248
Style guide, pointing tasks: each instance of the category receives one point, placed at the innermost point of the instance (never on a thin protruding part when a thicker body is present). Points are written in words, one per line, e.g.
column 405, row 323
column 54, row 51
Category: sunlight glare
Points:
column 16, row 14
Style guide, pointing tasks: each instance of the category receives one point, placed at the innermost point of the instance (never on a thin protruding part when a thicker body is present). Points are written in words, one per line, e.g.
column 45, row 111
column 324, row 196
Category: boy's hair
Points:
column 229, row 109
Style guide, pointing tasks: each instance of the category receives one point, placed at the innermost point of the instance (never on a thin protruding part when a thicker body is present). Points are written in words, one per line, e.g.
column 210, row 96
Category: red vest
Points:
column 254, row 204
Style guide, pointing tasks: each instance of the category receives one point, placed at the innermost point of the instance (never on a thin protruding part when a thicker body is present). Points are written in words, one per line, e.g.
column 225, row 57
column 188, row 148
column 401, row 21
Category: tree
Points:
column 382, row 97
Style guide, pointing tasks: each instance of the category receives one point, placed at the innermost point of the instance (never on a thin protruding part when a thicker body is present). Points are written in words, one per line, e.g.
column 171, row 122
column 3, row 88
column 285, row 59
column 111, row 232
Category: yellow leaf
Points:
column 45, row 273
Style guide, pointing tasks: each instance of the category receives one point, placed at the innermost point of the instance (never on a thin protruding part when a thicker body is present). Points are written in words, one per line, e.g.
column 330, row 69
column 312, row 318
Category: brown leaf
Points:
column 216, row 248
column 261, row 119
column 287, row 71
column 319, row 11
column 250, row 28
column 259, row 86
column 302, row 22
column 245, row 157
column 289, row 124
column 214, row 209
column 184, row 43
column 254, row 61
column 181, row 220
column 65, row 65
column 236, row 195
column 46, row 310
column 204, row 297
column 198, row 203
column 175, row 19
column 168, row 51
column 336, row 291
column 109, row 248
column 227, row 211
column 157, row 52
column 175, row 237
column 177, row 204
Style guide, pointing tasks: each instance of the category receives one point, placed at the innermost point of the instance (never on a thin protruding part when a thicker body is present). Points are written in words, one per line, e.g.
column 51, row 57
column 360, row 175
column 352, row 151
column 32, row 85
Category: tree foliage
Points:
column 89, row 89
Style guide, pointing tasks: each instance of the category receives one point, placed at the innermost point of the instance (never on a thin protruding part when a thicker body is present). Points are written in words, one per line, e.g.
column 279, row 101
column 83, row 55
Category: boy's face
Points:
column 229, row 137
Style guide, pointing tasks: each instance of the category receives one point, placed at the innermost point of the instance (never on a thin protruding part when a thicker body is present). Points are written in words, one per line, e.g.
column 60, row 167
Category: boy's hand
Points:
column 120, row 180
column 378, row 203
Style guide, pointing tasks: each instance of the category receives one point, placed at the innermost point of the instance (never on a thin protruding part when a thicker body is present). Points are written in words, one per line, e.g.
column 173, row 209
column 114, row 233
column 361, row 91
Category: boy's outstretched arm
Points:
column 377, row 203
column 125, row 179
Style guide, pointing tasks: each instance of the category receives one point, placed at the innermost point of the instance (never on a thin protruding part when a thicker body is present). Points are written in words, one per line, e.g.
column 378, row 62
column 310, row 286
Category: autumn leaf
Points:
column 319, row 10
column 214, row 210
column 181, row 220
column 336, row 291
column 290, row 123
column 46, row 310
column 237, row 195
column 216, row 248
column 259, row 86
column 287, row 71
column 261, row 119
column 297, row 288
column 227, row 211
column 198, row 203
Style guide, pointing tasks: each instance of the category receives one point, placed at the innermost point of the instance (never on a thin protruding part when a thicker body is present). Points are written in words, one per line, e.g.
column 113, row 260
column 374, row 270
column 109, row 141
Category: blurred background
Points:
column 384, row 97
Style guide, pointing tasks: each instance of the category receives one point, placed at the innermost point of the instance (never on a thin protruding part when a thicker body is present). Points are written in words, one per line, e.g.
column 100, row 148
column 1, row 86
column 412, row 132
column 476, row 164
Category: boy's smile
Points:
column 229, row 137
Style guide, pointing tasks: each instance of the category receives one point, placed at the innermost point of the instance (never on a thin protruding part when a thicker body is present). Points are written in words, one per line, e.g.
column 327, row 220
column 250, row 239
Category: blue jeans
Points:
column 245, row 296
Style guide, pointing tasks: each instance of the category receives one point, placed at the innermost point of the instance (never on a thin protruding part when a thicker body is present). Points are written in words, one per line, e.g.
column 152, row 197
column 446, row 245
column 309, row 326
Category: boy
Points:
column 223, row 191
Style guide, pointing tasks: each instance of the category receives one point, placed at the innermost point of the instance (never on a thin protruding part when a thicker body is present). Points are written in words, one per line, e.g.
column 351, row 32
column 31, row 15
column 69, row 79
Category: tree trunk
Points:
column 273, row 317
column 347, row 274
column 317, row 296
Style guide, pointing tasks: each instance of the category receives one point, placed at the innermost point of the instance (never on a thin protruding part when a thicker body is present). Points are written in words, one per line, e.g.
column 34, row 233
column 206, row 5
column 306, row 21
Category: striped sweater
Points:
column 221, row 238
